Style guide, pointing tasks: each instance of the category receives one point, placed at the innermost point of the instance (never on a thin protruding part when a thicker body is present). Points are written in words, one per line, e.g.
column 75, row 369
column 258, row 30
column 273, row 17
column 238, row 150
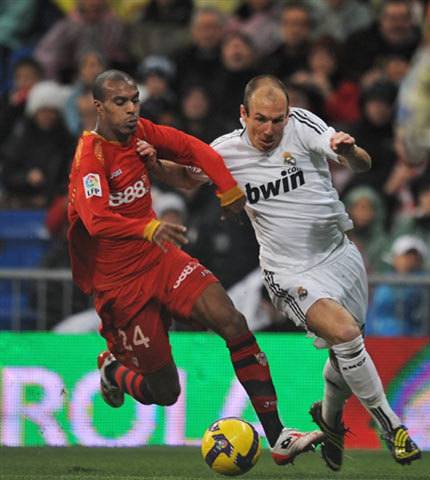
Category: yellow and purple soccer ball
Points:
column 231, row 446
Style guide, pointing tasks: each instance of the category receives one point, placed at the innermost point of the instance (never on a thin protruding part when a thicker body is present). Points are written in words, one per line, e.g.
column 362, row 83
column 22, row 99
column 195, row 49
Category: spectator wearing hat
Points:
column 169, row 206
column 366, row 208
column 38, row 152
column 401, row 310
column 417, row 224
column 157, row 99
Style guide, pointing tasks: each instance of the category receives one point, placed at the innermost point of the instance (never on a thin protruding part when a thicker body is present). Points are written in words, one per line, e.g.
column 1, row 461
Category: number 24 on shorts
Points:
column 138, row 338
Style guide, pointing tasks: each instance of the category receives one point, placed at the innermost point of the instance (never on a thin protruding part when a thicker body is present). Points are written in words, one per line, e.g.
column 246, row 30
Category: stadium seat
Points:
column 23, row 238
column 23, row 242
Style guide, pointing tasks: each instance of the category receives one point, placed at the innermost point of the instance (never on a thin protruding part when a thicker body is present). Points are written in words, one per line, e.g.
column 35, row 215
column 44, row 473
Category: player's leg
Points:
column 139, row 360
column 161, row 387
column 332, row 322
column 215, row 310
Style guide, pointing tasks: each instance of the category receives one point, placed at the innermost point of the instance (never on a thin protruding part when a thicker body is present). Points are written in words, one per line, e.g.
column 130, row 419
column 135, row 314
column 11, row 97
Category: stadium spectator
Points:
column 92, row 25
column 394, row 68
column 304, row 94
column 160, row 28
column 158, row 99
column 259, row 20
column 239, row 65
column 418, row 223
column 374, row 131
column 196, row 115
column 37, row 155
column 401, row 310
column 26, row 73
column 291, row 54
column 90, row 64
column 85, row 110
column 323, row 73
column 313, row 273
column 366, row 208
column 130, row 261
column 200, row 62
column 339, row 18
column 393, row 34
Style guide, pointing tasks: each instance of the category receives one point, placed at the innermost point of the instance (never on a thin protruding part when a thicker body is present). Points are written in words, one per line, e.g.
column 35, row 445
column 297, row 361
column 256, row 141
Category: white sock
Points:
column 359, row 372
column 336, row 393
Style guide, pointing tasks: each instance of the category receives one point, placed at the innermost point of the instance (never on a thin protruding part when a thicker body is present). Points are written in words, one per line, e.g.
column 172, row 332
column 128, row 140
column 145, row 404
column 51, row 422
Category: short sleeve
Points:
column 315, row 132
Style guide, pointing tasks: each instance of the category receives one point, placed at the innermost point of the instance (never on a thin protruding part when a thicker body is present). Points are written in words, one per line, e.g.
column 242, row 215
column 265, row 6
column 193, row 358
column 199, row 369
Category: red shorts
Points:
column 136, row 316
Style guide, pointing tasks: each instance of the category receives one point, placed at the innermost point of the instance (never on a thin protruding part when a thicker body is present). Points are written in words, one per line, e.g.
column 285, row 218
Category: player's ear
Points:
column 243, row 113
column 98, row 106
column 287, row 116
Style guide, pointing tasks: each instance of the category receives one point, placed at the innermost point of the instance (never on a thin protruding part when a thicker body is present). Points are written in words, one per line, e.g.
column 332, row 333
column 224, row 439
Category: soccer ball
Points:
column 231, row 446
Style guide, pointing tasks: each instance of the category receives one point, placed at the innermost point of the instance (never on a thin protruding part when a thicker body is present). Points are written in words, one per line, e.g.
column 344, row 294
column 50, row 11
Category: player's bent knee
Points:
column 345, row 333
column 167, row 397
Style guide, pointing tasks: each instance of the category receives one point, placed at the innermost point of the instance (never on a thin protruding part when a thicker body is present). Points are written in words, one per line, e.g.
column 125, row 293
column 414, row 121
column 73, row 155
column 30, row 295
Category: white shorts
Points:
column 342, row 277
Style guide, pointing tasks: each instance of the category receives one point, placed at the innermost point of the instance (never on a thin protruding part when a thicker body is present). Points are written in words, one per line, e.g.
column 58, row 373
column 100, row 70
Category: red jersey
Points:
column 110, row 202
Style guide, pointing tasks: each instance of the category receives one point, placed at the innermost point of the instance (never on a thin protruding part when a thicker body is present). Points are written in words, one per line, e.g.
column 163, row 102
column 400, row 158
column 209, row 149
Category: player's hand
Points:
column 342, row 143
column 170, row 233
column 234, row 210
column 147, row 153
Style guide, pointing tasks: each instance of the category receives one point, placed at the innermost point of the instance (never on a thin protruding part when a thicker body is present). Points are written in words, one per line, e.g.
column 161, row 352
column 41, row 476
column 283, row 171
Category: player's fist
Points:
column 171, row 233
column 342, row 143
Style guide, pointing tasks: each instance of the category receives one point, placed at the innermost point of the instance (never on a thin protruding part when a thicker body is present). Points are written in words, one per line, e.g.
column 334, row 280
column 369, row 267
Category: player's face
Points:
column 267, row 117
column 118, row 113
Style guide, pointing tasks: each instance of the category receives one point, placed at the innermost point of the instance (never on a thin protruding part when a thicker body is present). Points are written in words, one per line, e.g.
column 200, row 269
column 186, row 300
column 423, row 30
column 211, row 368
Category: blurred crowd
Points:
column 361, row 65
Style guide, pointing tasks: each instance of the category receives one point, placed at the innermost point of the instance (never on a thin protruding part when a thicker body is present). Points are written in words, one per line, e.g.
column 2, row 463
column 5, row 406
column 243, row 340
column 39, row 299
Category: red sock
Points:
column 132, row 383
column 252, row 370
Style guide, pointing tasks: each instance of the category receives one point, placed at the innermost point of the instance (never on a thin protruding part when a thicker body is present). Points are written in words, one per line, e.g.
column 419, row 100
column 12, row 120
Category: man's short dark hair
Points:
column 108, row 76
column 27, row 61
column 258, row 81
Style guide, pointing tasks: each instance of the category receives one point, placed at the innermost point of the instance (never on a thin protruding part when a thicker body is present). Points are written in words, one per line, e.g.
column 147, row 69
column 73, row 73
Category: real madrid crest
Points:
column 289, row 159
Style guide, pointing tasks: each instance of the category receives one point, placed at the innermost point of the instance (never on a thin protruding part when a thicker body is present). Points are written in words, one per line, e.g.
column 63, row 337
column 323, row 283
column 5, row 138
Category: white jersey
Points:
column 295, row 210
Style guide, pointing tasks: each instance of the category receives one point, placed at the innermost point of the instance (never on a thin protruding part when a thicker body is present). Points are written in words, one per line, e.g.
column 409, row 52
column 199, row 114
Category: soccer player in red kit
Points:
column 140, row 277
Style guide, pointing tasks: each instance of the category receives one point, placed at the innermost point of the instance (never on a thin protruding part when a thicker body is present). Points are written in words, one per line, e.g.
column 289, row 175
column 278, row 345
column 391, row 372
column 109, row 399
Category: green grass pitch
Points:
column 183, row 463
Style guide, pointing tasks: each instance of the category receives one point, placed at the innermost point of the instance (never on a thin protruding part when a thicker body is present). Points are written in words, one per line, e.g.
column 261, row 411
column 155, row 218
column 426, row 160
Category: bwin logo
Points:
column 272, row 189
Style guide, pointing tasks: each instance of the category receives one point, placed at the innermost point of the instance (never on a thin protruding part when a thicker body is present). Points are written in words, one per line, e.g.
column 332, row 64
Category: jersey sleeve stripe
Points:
column 309, row 122
column 306, row 115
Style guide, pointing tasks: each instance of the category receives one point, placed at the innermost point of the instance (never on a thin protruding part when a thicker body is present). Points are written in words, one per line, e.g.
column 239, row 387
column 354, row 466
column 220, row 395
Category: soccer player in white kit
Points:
column 312, row 272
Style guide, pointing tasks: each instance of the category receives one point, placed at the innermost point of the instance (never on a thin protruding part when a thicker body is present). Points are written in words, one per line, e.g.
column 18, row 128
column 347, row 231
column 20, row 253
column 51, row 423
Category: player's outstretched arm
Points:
column 349, row 153
column 168, row 172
